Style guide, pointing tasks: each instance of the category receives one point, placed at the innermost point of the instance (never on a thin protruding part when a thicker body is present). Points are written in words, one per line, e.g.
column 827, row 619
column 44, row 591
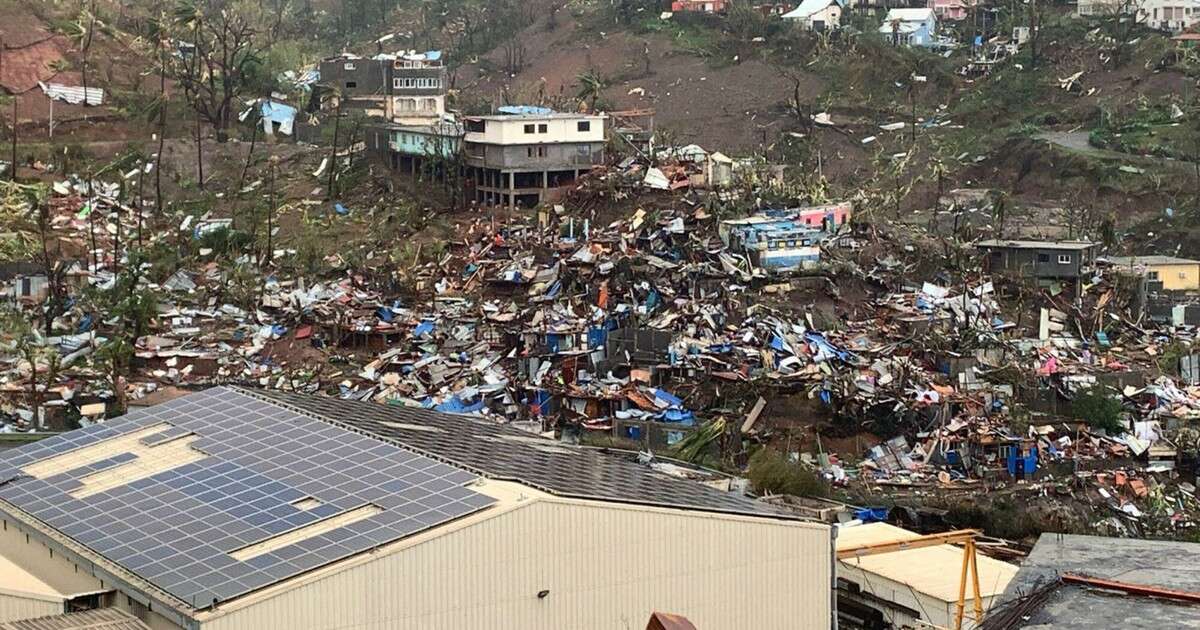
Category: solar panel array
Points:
column 178, row 528
column 504, row 452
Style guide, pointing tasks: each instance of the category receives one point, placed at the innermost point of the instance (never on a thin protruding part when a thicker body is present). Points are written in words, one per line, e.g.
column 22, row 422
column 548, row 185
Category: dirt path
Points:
column 1077, row 142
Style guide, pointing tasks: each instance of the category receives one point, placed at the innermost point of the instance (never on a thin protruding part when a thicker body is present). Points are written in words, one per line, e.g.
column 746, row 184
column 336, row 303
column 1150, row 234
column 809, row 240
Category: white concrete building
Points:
column 521, row 158
column 232, row 509
column 817, row 15
column 1172, row 16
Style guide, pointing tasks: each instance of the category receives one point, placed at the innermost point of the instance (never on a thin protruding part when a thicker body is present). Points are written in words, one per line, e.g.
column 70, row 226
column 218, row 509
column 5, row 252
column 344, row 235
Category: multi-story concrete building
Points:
column 524, row 156
column 362, row 83
column 418, row 84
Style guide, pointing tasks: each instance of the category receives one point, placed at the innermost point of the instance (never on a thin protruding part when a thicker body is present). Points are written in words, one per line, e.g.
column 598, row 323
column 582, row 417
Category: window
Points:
column 348, row 66
column 541, row 152
column 416, row 84
column 528, row 151
column 584, row 126
column 476, row 126
column 543, row 128
column 529, row 129
column 1183, row 275
column 1043, row 258
column 350, row 85
column 1153, row 275
column 1064, row 259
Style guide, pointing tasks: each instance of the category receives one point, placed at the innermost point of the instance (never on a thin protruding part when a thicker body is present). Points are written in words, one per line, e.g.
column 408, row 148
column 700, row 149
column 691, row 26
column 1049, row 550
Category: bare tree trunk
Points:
column 253, row 139
column 87, row 49
column 333, row 152
column 14, row 139
column 162, row 129
column 199, row 152
column 270, row 219
column 92, row 223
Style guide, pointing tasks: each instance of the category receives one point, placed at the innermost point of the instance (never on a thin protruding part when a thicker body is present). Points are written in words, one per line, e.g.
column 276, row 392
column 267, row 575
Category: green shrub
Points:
column 771, row 472
column 1099, row 410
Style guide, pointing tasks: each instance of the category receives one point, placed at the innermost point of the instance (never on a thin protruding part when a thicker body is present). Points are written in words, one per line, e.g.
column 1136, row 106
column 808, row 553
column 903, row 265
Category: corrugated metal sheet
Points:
column 103, row 619
column 15, row 607
column 597, row 565
column 73, row 95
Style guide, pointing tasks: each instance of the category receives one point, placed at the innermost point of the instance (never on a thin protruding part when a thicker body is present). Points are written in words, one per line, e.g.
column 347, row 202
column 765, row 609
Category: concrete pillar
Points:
column 512, row 191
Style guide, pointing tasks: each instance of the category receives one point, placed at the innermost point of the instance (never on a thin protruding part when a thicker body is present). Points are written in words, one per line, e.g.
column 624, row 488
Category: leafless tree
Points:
column 225, row 43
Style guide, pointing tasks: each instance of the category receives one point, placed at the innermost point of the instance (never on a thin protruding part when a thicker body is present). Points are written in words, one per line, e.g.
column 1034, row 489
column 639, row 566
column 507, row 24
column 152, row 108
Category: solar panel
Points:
column 177, row 528
column 505, row 452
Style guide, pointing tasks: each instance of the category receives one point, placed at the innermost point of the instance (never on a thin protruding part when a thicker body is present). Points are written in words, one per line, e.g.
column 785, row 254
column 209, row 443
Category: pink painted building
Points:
column 812, row 216
column 952, row 10
column 699, row 6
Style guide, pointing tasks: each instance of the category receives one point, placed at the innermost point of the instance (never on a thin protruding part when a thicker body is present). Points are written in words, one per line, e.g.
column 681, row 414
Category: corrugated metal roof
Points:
column 103, row 619
column 73, row 95
column 933, row 571
column 1124, row 261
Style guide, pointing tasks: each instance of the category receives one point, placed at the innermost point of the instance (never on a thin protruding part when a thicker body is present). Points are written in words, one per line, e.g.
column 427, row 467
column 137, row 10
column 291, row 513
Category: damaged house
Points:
column 524, row 156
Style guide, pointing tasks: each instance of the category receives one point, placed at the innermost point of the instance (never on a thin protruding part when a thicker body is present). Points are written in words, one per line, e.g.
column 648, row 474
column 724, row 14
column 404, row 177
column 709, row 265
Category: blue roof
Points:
column 277, row 112
column 524, row 110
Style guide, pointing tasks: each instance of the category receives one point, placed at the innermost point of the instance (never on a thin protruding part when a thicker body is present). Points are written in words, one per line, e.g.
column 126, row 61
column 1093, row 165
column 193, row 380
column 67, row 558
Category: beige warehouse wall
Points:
column 605, row 567
column 17, row 608
column 59, row 574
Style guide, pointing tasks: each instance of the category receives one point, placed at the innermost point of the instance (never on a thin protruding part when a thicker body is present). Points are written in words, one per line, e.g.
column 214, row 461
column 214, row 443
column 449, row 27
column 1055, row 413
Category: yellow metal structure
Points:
column 964, row 537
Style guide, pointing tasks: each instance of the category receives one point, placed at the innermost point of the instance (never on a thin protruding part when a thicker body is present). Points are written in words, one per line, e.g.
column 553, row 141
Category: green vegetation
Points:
column 1152, row 128
column 1100, row 410
column 771, row 472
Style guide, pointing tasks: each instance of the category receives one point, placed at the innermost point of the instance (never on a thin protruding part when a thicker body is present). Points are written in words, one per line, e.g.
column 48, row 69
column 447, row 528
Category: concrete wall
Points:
column 1028, row 262
column 1178, row 277
column 369, row 77
column 536, row 157
column 603, row 567
column 513, row 130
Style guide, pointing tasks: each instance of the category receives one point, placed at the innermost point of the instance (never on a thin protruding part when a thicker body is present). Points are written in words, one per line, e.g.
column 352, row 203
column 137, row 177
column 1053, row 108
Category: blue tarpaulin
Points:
column 827, row 348
column 596, row 337
column 340, row 209
column 524, row 110
column 384, row 314
column 667, row 398
column 872, row 515
column 1027, row 465
column 679, row 416
column 424, row 328
column 454, row 405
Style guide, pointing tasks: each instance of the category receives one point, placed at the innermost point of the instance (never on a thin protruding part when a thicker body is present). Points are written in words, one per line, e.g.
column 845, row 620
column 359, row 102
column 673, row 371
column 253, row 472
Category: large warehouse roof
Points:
column 218, row 494
column 501, row 451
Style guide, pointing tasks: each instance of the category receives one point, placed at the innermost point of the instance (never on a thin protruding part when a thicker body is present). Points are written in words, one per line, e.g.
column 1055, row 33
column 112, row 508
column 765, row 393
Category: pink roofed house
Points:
column 951, row 10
